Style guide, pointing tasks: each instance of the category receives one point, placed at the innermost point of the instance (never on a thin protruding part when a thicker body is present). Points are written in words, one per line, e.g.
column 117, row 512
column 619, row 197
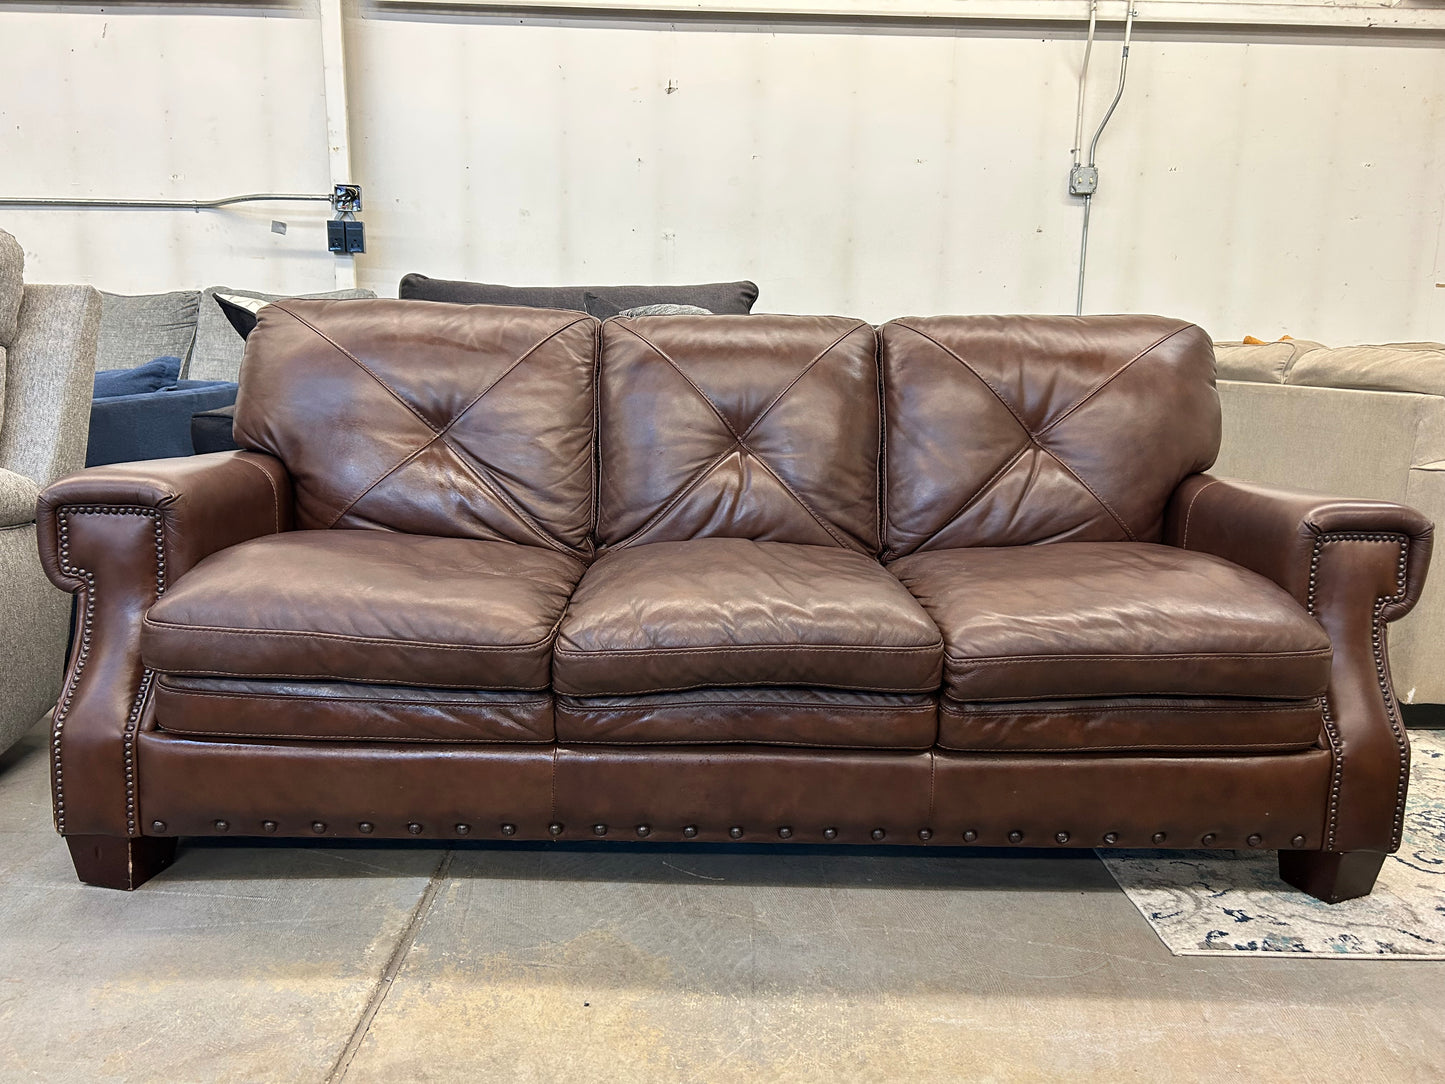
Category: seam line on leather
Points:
column 1033, row 438
column 1076, row 476
column 581, row 705
column 1313, row 652
column 845, row 542
column 180, row 690
column 275, row 494
column 604, row 652
column 439, row 435
column 1115, row 375
column 741, row 439
column 531, row 738
column 1006, row 711
column 1189, row 510
column 167, row 626
column 216, row 672
column 1140, row 747
column 974, row 497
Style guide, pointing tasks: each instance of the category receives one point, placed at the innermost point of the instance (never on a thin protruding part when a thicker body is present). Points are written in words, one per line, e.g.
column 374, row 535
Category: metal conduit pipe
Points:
column 1094, row 146
column 165, row 205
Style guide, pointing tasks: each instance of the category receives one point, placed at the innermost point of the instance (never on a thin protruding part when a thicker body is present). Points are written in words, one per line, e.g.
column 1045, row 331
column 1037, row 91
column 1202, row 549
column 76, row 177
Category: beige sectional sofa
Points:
column 1365, row 420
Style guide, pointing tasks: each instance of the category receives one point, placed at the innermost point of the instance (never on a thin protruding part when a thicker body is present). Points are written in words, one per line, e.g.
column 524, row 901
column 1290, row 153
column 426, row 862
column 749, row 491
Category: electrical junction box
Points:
column 1083, row 180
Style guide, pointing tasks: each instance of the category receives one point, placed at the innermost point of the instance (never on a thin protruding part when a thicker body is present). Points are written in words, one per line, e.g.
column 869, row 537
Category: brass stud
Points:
column 511, row 829
column 690, row 831
column 223, row 826
column 1160, row 837
column 736, row 831
column 925, row 834
column 268, row 826
column 1015, row 836
column 878, row 833
column 1061, row 837
column 830, row 833
column 599, row 829
column 555, row 828
column 414, row 828
column 366, row 828
column 158, row 826
column 462, row 829
column 785, row 832
column 318, row 827
column 970, row 836
column 1255, row 840
column 1298, row 841
column 1111, row 838
column 644, row 830
column 1208, row 839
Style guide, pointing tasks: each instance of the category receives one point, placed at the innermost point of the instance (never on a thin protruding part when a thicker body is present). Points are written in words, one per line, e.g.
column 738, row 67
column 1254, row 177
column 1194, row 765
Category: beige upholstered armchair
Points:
column 47, row 367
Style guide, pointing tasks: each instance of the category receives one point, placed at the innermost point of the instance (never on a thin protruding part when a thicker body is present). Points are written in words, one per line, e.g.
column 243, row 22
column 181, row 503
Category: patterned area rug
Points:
column 1203, row 903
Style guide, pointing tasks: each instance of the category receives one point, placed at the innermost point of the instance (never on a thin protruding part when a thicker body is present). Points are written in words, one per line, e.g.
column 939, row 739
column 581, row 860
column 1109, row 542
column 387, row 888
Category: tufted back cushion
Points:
column 454, row 420
column 760, row 427
column 1009, row 430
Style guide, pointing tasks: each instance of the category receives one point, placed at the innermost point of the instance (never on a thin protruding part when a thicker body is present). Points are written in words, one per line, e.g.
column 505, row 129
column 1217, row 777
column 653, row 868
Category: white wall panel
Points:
column 152, row 104
column 1259, row 188
column 1285, row 185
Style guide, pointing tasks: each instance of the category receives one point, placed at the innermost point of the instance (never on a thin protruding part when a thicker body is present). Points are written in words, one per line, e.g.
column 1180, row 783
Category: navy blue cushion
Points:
column 152, row 376
column 157, row 425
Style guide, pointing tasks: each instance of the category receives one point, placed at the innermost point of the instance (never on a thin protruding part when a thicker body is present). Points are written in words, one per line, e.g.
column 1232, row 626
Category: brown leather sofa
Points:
column 493, row 573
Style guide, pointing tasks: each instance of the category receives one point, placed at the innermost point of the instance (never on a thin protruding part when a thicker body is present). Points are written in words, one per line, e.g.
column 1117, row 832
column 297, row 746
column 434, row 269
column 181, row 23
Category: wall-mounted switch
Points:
column 336, row 237
column 355, row 237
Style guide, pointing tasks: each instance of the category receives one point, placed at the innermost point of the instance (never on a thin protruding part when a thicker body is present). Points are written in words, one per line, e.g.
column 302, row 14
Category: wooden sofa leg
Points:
column 118, row 862
column 1332, row 876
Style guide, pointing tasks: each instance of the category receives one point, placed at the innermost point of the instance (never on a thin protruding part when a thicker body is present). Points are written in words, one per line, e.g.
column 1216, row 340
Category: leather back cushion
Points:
column 433, row 419
column 1009, row 430
column 761, row 427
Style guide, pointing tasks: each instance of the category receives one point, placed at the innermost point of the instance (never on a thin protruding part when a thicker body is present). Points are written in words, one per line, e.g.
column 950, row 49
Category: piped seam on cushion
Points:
column 167, row 626
column 602, row 653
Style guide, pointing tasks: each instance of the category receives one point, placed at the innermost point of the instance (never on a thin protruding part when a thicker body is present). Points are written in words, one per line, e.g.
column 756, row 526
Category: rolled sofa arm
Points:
column 1355, row 565
column 117, row 536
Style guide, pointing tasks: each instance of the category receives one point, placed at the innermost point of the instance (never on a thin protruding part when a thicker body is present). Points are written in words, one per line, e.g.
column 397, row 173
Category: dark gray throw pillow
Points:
column 723, row 297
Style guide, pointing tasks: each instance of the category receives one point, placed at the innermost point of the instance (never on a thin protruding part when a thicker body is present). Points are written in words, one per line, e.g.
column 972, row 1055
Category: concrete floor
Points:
column 547, row 963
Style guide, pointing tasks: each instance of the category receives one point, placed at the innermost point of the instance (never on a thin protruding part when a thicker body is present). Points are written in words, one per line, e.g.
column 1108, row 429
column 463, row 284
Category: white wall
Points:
column 1278, row 186
column 147, row 103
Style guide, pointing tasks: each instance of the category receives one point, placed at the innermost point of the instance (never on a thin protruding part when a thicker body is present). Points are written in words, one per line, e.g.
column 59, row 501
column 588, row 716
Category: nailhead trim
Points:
column 1377, row 644
column 82, row 655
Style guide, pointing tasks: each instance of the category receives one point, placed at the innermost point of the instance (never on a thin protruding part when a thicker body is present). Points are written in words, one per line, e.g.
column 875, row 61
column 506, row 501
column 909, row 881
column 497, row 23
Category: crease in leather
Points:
column 1035, row 377
column 727, row 612
column 641, row 503
column 480, row 380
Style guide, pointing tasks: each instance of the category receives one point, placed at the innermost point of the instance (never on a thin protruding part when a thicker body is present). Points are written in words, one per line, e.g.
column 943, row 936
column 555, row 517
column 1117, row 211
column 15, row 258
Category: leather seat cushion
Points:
column 721, row 612
column 820, row 718
column 347, row 711
column 1103, row 619
column 1192, row 726
column 367, row 606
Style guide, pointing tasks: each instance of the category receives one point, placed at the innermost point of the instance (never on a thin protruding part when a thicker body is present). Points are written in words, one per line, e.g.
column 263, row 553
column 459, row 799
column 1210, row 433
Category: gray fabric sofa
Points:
column 47, row 363
column 1367, row 420
column 186, row 324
